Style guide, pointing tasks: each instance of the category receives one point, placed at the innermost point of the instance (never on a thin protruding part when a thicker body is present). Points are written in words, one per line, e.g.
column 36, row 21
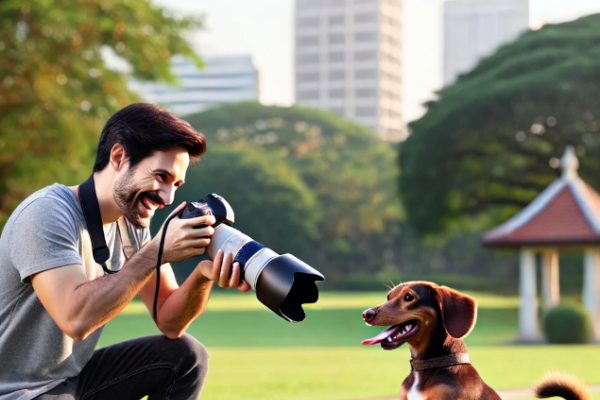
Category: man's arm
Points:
column 177, row 306
column 79, row 306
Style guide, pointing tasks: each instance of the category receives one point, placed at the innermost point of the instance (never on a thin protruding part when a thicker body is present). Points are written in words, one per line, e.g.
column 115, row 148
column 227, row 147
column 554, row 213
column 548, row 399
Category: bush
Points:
column 568, row 325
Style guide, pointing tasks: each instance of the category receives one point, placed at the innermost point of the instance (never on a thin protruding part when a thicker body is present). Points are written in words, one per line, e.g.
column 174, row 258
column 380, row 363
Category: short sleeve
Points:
column 44, row 236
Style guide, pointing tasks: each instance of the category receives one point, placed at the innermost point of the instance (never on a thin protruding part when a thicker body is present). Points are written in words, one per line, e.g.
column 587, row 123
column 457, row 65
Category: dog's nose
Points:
column 369, row 315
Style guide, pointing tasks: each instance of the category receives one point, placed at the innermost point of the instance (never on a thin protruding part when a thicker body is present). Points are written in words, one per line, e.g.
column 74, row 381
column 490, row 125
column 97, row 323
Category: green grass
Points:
column 257, row 355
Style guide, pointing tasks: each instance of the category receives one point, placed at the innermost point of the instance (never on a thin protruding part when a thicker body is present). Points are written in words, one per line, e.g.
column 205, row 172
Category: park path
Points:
column 519, row 393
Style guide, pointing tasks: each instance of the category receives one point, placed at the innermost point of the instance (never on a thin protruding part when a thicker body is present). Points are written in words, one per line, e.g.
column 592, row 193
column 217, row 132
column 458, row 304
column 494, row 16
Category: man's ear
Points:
column 459, row 311
column 118, row 157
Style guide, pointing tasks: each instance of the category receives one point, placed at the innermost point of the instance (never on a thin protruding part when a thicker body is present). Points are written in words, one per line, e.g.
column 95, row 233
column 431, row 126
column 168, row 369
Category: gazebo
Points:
column 566, row 215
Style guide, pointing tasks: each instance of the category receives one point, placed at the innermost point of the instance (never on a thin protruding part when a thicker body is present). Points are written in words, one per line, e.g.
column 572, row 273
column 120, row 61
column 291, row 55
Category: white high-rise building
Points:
column 224, row 79
column 348, row 60
column 476, row 28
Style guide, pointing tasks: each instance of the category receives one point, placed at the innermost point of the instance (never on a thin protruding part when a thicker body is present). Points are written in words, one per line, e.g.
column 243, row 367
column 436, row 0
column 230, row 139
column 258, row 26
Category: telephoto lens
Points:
column 281, row 282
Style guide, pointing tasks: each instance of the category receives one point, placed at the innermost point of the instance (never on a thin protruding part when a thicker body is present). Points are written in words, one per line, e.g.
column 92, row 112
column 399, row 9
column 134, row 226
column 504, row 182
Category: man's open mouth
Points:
column 149, row 204
column 395, row 336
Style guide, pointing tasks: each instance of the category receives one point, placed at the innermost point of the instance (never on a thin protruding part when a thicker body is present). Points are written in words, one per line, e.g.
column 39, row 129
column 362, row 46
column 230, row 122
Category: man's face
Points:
column 150, row 185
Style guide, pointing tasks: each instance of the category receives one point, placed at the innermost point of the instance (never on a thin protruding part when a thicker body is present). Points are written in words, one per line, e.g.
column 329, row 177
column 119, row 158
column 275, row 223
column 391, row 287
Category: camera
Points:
column 281, row 282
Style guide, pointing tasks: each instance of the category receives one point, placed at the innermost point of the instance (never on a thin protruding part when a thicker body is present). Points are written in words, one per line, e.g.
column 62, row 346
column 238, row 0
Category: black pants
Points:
column 153, row 366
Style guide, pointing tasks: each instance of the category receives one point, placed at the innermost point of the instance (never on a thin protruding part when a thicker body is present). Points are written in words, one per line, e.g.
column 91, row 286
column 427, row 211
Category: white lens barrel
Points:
column 256, row 264
column 229, row 239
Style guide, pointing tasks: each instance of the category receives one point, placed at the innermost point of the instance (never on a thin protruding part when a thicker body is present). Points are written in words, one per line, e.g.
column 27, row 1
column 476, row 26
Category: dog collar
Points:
column 446, row 361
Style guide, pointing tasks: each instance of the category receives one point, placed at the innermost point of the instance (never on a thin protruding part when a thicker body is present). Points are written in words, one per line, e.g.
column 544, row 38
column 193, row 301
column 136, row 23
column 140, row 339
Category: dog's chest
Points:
column 413, row 392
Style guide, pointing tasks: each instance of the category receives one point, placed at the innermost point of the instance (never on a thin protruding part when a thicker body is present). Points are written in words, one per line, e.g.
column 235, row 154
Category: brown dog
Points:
column 433, row 320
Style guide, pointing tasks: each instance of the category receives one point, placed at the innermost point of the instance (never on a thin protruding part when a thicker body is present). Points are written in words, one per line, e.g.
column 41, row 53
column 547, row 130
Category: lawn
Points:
column 257, row 355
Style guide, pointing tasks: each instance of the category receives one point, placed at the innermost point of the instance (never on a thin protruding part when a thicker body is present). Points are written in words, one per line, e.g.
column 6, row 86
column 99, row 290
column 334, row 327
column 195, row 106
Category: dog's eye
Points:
column 409, row 297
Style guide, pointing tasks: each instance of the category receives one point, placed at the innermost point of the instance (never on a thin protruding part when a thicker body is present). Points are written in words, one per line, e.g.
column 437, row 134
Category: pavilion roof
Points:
column 566, row 213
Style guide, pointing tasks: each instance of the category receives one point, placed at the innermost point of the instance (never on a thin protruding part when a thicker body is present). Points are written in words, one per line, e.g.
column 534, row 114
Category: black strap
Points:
column 93, row 219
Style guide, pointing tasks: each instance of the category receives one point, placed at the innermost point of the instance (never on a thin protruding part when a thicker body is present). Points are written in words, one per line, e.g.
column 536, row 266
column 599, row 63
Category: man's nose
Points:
column 167, row 195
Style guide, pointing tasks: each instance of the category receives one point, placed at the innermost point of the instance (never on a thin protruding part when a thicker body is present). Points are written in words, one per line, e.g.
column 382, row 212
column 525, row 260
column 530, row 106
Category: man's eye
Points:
column 408, row 297
column 162, row 177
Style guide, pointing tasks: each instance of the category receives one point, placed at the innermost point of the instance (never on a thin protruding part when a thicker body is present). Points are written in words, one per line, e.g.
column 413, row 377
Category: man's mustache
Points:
column 154, row 197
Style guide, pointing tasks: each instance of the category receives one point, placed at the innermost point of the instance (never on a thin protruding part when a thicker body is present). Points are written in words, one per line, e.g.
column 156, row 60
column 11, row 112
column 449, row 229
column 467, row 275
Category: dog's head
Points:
column 415, row 310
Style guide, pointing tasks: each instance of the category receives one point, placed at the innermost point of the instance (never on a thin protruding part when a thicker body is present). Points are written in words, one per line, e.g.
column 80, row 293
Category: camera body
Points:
column 281, row 282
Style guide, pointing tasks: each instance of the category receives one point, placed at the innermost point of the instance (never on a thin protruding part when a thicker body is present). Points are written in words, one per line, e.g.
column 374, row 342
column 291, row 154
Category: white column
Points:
column 591, row 281
column 528, row 317
column 550, row 281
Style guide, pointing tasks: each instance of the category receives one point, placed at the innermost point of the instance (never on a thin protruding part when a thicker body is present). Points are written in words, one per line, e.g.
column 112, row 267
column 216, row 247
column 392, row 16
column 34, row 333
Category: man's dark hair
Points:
column 142, row 129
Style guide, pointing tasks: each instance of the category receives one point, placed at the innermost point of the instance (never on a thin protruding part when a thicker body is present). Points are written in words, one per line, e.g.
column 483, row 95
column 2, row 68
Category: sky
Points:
column 264, row 29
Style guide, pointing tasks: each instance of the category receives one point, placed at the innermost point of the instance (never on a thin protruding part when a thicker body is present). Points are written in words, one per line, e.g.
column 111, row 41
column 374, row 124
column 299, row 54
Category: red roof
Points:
column 567, row 212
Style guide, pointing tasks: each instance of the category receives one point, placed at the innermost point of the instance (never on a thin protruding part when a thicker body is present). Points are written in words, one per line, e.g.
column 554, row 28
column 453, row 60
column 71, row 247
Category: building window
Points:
column 308, row 95
column 337, row 93
column 365, row 55
column 337, row 20
column 366, row 93
column 366, row 112
column 337, row 56
column 361, row 37
column 307, row 77
column 338, row 75
column 308, row 59
column 308, row 22
column 337, row 38
column 366, row 17
column 307, row 40
column 366, row 74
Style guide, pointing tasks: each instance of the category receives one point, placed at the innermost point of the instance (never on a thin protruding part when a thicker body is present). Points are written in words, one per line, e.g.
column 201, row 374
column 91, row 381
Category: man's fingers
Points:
column 234, row 281
column 188, row 233
column 201, row 220
column 196, row 242
column 178, row 209
column 216, row 268
column 244, row 286
column 225, row 267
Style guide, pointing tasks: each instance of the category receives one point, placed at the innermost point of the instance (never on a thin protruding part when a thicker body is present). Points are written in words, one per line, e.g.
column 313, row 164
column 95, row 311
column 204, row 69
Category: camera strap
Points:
column 93, row 219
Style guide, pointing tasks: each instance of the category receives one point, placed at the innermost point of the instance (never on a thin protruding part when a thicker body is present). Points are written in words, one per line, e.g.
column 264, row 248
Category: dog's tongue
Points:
column 381, row 337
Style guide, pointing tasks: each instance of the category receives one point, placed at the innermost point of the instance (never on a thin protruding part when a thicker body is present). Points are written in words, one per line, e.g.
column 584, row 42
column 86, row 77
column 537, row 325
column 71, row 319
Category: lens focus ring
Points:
column 246, row 252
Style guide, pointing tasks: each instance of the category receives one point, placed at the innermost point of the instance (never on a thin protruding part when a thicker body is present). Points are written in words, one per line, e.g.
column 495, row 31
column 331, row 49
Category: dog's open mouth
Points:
column 395, row 336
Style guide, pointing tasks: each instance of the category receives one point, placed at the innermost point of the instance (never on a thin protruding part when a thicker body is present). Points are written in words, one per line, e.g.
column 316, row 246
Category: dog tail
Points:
column 561, row 385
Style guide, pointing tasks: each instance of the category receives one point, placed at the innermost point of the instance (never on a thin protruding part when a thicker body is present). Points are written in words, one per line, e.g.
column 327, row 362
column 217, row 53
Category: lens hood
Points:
column 285, row 283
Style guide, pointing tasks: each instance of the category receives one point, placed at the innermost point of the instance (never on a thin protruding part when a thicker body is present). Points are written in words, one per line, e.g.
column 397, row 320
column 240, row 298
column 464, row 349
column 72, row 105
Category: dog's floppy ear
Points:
column 459, row 311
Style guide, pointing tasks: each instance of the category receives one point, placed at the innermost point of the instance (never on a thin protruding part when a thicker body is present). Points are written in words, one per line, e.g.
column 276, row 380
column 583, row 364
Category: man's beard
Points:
column 128, row 196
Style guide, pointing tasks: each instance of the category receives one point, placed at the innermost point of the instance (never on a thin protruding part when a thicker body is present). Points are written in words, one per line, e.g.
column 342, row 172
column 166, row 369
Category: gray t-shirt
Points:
column 47, row 230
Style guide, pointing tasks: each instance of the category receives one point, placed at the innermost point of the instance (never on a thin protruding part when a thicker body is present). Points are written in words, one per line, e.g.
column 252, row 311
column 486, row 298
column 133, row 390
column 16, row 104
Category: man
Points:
column 55, row 298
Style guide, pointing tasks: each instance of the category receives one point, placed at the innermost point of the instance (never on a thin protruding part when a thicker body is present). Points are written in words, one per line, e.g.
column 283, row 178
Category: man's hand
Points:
column 223, row 272
column 183, row 240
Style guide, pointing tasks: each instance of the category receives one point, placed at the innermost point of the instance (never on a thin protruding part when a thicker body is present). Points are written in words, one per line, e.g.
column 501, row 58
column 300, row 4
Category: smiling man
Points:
column 56, row 298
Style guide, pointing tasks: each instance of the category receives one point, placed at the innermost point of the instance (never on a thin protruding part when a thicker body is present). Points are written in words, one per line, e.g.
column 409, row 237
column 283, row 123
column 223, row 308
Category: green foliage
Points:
column 304, row 180
column 482, row 150
column 55, row 90
column 568, row 325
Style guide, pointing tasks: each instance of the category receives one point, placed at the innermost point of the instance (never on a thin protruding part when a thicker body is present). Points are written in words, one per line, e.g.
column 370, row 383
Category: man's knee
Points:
column 192, row 355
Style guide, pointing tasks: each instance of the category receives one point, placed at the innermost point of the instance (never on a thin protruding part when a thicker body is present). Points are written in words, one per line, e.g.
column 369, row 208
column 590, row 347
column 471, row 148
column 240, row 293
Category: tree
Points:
column 56, row 92
column 349, row 172
column 484, row 148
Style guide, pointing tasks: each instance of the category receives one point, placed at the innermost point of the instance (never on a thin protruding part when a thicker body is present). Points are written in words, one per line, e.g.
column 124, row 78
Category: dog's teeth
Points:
column 408, row 328
column 389, row 339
